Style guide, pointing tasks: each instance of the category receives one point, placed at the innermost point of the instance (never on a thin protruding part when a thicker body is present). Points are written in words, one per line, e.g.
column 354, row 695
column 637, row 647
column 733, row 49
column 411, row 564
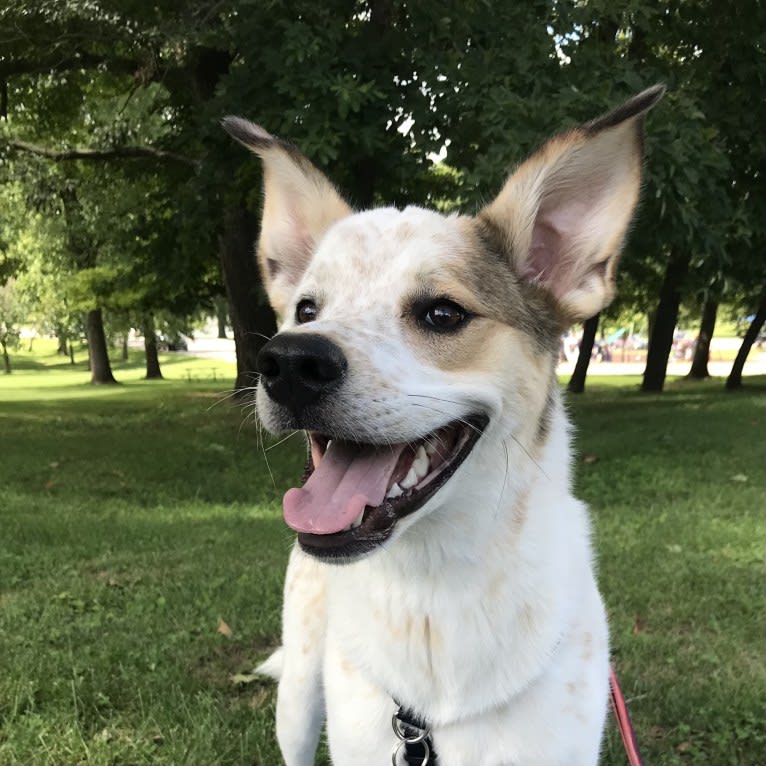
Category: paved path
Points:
column 753, row 366
column 221, row 349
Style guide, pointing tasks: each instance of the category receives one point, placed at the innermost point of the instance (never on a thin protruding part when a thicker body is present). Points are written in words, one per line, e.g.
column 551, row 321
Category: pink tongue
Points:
column 348, row 478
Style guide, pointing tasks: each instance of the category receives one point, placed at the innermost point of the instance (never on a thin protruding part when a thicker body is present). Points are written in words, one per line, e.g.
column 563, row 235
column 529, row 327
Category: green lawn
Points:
column 134, row 518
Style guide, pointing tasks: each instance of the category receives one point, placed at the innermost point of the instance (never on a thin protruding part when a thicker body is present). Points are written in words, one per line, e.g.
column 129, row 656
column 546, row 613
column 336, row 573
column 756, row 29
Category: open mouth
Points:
column 354, row 494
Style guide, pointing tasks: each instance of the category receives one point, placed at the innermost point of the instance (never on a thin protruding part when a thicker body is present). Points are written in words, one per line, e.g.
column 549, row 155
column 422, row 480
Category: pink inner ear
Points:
column 289, row 249
column 555, row 235
column 273, row 267
column 542, row 261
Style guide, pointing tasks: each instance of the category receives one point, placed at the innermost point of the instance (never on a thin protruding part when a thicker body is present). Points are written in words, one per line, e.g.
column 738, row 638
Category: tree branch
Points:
column 54, row 61
column 115, row 153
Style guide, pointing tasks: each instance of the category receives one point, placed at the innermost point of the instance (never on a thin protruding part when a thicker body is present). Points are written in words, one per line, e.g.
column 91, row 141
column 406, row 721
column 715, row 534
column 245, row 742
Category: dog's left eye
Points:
column 306, row 311
column 443, row 316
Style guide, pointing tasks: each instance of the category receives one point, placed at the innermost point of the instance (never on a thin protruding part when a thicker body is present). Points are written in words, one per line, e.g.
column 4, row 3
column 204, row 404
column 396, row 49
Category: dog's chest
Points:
column 443, row 647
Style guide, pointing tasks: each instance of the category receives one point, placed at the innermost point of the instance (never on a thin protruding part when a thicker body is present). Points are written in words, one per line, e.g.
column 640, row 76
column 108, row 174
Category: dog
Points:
column 442, row 580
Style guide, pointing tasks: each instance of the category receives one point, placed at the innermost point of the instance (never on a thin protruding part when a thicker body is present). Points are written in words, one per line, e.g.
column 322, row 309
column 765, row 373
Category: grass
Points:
column 42, row 373
column 676, row 492
column 135, row 518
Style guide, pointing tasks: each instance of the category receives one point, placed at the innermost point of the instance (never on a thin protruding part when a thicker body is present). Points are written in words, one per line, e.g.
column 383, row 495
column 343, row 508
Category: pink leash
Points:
column 624, row 724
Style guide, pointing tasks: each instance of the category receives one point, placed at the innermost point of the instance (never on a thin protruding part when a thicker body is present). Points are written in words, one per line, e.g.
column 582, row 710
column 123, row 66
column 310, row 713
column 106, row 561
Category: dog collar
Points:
column 414, row 735
column 415, row 744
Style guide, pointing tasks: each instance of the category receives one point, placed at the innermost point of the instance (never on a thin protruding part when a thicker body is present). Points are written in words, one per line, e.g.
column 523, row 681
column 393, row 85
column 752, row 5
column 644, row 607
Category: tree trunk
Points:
column 366, row 167
column 699, row 369
column 6, row 358
column 153, row 371
column 252, row 319
column 734, row 381
column 71, row 351
column 101, row 370
column 577, row 381
column 665, row 318
column 61, row 336
column 221, row 314
column 362, row 190
column 125, row 348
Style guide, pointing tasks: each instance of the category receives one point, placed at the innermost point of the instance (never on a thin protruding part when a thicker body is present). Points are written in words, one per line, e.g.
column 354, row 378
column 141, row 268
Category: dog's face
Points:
column 409, row 333
column 427, row 318
column 408, row 338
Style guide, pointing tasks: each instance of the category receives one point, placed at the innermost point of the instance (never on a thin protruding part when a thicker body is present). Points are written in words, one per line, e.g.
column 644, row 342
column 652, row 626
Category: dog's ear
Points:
column 563, row 214
column 300, row 204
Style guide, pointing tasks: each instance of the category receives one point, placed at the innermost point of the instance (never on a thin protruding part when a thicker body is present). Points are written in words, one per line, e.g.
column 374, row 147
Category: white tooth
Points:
column 358, row 521
column 346, row 529
column 395, row 491
column 430, row 448
column 421, row 462
column 410, row 480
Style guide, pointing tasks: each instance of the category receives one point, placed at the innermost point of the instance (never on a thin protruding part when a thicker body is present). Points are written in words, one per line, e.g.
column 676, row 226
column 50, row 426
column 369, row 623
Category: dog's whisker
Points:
column 261, row 443
column 473, row 427
column 529, row 455
column 282, row 441
column 225, row 396
column 436, row 437
column 505, row 479
column 246, row 406
column 267, row 338
column 268, row 465
column 447, row 414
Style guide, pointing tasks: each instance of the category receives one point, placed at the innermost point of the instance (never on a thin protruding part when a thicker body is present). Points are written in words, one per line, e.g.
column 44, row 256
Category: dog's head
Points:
column 406, row 336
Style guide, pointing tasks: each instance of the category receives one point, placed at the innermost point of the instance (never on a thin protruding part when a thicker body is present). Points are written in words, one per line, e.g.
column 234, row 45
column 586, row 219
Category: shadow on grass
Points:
column 24, row 364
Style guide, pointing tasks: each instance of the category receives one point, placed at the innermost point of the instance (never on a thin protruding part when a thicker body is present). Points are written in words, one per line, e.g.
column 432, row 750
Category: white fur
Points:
column 481, row 611
column 488, row 624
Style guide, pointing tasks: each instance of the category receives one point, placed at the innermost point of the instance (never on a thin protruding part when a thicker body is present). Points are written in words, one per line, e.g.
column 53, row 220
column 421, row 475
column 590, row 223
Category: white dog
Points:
column 443, row 570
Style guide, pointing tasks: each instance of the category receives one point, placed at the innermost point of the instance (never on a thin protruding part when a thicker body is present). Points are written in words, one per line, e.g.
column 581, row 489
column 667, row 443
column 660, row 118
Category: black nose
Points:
column 298, row 370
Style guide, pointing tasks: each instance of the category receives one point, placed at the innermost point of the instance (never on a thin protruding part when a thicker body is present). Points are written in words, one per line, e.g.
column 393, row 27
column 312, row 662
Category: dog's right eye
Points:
column 306, row 311
column 443, row 315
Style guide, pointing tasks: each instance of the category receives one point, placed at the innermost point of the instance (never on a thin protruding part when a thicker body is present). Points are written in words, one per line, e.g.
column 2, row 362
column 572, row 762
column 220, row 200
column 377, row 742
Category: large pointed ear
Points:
column 562, row 216
column 300, row 204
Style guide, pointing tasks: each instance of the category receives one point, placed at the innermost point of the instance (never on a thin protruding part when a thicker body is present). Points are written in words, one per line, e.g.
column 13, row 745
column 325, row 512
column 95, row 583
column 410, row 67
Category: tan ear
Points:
column 300, row 204
column 563, row 214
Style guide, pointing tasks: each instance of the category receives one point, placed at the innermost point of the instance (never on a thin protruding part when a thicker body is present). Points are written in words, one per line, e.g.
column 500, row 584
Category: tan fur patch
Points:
column 520, row 513
column 481, row 280
column 587, row 647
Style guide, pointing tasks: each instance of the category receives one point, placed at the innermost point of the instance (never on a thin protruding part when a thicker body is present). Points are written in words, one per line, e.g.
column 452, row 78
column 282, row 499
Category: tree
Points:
column 720, row 68
column 576, row 383
column 664, row 324
column 695, row 143
column 12, row 314
column 121, row 236
column 699, row 370
column 734, row 381
column 369, row 89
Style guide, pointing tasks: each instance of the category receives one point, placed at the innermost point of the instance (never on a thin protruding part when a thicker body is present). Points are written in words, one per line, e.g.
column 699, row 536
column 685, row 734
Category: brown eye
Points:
column 306, row 311
column 443, row 316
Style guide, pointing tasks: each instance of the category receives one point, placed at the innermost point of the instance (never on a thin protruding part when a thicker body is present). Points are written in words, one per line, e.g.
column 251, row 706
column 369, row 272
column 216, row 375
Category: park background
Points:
column 141, row 544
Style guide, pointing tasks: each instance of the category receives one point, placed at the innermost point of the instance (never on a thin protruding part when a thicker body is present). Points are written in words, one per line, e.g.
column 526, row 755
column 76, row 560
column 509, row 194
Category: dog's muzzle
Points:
column 298, row 370
column 354, row 493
